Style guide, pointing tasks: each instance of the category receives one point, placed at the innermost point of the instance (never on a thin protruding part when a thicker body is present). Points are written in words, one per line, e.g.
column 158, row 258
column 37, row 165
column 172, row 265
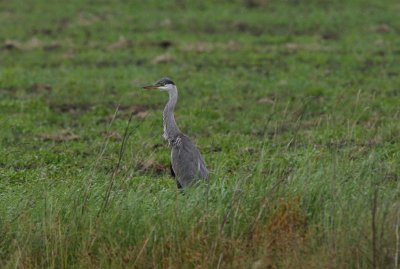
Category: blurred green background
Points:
column 294, row 105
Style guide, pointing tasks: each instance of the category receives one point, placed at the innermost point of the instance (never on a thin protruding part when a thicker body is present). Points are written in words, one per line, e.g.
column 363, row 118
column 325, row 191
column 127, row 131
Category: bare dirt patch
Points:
column 125, row 111
column 204, row 46
column 266, row 100
column 121, row 43
column 163, row 59
column 113, row 136
column 381, row 28
column 74, row 109
column 141, row 110
column 199, row 47
column 10, row 44
column 60, row 136
column 40, row 88
column 152, row 166
column 304, row 47
column 31, row 44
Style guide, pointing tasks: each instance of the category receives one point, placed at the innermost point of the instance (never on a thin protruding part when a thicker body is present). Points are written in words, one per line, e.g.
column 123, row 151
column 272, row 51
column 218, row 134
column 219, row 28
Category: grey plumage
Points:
column 186, row 161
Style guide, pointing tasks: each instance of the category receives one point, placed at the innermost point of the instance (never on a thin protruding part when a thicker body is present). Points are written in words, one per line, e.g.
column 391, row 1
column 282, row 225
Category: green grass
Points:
column 295, row 106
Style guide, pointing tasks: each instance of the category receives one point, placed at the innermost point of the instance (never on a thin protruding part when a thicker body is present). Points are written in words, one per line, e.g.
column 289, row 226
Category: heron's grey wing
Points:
column 187, row 162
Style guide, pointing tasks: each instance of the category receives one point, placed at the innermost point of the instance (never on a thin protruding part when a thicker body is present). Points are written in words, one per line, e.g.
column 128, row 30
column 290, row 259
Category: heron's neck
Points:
column 171, row 130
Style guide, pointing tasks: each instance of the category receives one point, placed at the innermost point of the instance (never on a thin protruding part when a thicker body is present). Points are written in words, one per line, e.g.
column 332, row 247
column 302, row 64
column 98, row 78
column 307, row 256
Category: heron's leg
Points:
column 173, row 175
column 171, row 170
column 178, row 184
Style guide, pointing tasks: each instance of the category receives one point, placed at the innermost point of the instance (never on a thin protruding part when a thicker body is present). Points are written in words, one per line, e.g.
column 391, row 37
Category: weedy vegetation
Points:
column 295, row 106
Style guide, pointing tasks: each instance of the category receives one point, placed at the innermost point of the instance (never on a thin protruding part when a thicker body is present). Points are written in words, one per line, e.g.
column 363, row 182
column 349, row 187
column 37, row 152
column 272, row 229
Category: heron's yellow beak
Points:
column 150, row 87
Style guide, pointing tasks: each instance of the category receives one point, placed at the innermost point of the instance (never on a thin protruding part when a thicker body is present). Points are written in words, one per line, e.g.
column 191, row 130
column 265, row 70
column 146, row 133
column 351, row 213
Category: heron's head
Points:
column 164, row 84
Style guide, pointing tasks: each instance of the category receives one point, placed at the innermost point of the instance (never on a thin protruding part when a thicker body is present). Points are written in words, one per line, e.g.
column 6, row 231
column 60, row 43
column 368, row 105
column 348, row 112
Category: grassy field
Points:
column 294, row 104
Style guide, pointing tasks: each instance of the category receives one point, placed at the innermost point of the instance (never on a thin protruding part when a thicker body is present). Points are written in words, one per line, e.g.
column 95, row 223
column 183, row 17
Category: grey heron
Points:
column 187, row 164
